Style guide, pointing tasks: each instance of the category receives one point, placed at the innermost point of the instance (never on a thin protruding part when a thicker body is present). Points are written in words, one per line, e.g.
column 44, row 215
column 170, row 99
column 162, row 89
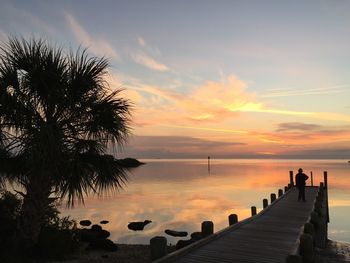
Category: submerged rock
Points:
column 94, row 233
column 96, row 228
column 196, row 235
column 183, row 243
column 103, row 244
column 138, row 226
column 85, row 223
column 175, row 233
column 103, row 222
column 97, row 237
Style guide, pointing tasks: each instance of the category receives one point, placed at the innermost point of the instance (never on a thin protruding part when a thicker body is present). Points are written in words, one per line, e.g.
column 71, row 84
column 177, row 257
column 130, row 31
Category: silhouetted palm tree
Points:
column 57, row 116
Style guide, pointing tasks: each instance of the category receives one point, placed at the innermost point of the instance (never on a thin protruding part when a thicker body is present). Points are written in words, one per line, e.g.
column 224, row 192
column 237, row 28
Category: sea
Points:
column 179, row 194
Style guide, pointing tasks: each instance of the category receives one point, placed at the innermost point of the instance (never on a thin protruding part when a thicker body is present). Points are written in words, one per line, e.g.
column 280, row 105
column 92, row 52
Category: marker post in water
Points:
column 208, row 163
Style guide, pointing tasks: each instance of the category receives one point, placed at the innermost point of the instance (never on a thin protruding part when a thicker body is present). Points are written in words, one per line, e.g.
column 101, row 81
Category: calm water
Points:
column 180, row 194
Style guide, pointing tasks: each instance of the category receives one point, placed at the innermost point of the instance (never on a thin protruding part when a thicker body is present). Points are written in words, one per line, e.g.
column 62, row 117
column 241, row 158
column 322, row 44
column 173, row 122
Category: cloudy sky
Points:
column 219, row 78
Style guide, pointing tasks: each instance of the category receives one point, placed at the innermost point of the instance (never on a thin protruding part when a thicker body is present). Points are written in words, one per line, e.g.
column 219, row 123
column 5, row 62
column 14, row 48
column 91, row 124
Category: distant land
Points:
column 130, row 162
column 182, row 147
column 309, row 155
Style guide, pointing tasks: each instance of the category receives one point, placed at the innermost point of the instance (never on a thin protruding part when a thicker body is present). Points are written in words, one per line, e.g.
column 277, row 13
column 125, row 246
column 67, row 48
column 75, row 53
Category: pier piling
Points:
column 207, row 228
column 158, row 246
column 265, row 203
column 253, row 209
column 291, row 178
column 232, row 219
column 307, row 248
column 280, row 192
column 273, row 197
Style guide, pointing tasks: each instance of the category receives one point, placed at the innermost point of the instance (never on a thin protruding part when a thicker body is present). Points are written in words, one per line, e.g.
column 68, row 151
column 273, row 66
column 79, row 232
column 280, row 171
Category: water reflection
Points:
column 180, row 194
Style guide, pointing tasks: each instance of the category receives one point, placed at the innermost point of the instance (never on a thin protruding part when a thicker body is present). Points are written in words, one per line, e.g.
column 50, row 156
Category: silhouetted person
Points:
column 300, row 179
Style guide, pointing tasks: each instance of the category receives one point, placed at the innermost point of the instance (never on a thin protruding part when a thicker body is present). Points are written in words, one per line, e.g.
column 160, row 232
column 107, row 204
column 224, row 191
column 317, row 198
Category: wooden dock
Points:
column 270, row 236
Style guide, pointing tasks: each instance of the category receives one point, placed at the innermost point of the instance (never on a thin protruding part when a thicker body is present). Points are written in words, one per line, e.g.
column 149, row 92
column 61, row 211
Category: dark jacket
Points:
column 300, row 179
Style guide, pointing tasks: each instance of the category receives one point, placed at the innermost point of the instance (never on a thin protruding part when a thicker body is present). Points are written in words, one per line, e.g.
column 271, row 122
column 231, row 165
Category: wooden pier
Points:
column 284, row 231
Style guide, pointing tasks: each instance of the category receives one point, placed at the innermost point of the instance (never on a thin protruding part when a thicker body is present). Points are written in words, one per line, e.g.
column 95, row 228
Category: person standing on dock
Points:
column 300, row 179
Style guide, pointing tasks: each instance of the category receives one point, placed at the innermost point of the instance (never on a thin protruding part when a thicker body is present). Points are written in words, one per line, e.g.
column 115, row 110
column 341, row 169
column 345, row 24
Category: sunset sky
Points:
column 220, row 78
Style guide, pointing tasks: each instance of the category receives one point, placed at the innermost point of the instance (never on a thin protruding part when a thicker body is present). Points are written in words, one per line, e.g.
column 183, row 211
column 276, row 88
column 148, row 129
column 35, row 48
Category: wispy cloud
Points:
column 299, row 133
column 297, row 126
column 212, row 102
column 177, row 146
column 206, row 103
column 100, row 47
column 286, row 92
column 215, row 110
column 141, row 41
column 260, row 108
column 207, row 129
column 142, row 56
column 147, row 61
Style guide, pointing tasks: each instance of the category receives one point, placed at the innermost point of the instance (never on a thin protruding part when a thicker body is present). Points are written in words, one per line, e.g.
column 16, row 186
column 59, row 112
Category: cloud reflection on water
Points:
column 180, row 194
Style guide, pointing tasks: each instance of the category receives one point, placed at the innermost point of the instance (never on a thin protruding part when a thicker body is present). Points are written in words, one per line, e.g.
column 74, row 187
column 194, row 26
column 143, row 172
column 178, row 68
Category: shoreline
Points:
column 335, row 252
column 126, row 253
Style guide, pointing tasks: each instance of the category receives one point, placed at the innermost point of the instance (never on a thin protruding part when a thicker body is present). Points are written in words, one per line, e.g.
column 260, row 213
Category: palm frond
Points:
column 90, row 172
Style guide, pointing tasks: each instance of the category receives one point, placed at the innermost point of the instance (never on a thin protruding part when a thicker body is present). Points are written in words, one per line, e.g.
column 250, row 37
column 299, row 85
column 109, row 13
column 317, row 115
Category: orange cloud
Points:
column 296, row 133
column 210, row 102
column 227, row 111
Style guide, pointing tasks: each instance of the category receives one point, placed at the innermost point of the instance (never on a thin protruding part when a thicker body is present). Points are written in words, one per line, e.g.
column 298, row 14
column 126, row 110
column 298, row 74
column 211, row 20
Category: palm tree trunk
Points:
column 35, row 204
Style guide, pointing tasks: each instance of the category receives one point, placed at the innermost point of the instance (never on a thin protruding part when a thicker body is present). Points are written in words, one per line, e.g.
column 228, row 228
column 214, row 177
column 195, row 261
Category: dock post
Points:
column 207, row 228
column 291, row 178
column 312, row 179
column 325, row 178
column 320, row 224
column 321, row 191
column 208, row 163
column 285, row 189
column 265, row 203
column 253, row 209
column 273, row 197
column 280, row 192
column 321, row 186
column 232, row 219
column 309, row 229
column 307, row 248
column 158, row 246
